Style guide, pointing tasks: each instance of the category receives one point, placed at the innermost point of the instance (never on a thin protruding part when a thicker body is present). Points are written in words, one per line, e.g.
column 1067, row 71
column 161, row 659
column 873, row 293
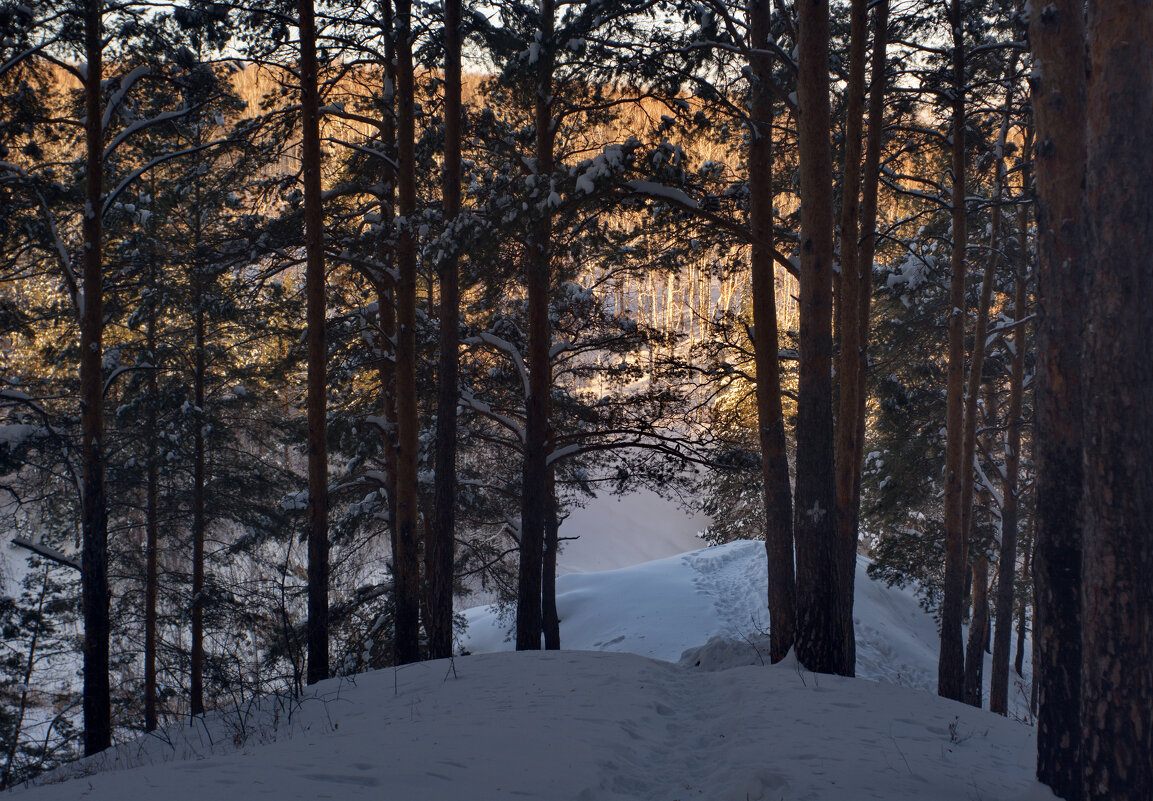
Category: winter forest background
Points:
column 318, row 323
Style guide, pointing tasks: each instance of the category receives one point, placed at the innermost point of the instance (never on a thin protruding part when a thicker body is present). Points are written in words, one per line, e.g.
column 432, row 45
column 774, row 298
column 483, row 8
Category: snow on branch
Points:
column 141, row 125
column 48, row 553
column 513, row 352
column 662, row 192
column 126, row 84
column 475, row 404
column 115, row 193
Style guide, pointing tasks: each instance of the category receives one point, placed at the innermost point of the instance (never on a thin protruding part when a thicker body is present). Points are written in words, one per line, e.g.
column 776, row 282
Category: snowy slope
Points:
column 591, row 726
column 666, row 697
column 661, row 608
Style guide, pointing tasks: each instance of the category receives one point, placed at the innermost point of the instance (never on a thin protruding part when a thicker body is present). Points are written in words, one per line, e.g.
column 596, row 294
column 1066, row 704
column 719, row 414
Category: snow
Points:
column 662, row 192
column 663, row 695
column 13, row 435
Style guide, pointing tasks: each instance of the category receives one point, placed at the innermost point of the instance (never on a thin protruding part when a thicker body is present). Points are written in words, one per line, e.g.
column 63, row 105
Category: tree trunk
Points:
column 441, row 543
column 196, row 655
column 1057, row 37
column 1007, row 560
column 534, row 479
column 951, row 665
column 550, row 622
column 317, row 352
column 94, row 510
column 821, row 635
column 1117, row 393
column 385, row 286
column 770, row 413
column 151, row 533
column 857, row 230
column 407, row 556
column 1022, row 620
column 978, row 634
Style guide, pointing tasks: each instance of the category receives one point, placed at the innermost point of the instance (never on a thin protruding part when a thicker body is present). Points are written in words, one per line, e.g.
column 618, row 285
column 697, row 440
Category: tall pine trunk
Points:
column 857, row 229
column 407, row 555
column 550, row 616
column 978, row 634
column 151, row 531
column 770, row 413
column 951, row 663
column 1007, row 559
column 385, row 286
column 196, row 655
column 534, row 478
column 821, row 635
column 317, row 352
column 1117, row 393
column 441, row 543
column 1057, row 38
column 94, row 509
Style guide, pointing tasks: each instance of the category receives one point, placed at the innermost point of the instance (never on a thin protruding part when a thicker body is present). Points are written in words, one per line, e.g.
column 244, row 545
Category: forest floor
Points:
column 664, row 694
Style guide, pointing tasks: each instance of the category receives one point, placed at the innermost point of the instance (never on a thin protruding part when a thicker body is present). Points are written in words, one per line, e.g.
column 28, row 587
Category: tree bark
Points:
column 821, row 635
column 1022, row 620
column 317, row 352
column 857, row 231
column 385, row 286
column 1117, row 394
column 534, row 478
column 951, row 664
column 550, row 617
column 443, row 533
column 1057, row 38
column 151, row 533
column 196, row 654
column 94, row 510
column 1007, row 559
column 782, row 586
column 407, row 556
column 978, row 634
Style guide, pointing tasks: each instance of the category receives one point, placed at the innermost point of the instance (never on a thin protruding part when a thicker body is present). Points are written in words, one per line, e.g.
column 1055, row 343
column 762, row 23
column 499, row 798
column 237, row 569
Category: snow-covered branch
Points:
column 132, row 176
column 48, row 553
column 492, row 340
column 126, row 84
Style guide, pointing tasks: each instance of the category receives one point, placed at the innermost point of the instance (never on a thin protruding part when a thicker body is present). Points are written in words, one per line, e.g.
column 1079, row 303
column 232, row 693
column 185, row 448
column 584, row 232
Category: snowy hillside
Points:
column 661, row 608
column 665, row 695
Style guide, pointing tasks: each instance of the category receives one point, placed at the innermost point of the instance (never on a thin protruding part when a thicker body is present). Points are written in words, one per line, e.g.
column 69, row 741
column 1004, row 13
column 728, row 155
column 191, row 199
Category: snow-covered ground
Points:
column 666, row 696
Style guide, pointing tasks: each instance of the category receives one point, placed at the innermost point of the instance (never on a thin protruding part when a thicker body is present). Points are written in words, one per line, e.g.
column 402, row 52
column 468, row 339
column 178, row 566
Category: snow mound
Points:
column 722, row 653
column 586, row 726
